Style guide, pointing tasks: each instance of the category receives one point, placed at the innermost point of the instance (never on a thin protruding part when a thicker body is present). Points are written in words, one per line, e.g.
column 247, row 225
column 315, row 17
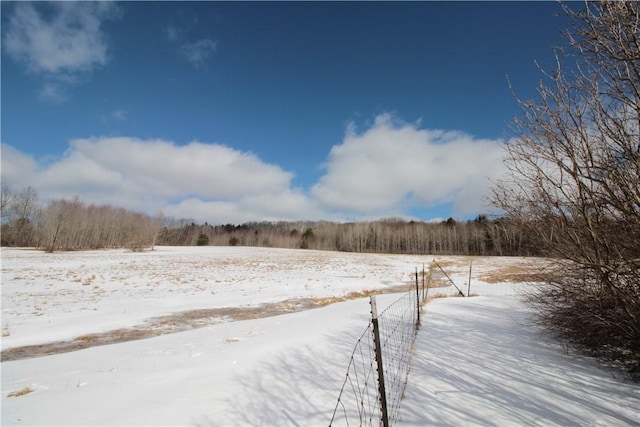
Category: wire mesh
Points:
column 359, row 395
column 398, row 327
column 359, row 399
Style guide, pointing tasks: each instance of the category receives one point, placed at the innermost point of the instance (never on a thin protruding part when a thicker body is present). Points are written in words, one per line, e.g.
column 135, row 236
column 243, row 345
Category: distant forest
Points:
column 476, row 237
column 74, row 225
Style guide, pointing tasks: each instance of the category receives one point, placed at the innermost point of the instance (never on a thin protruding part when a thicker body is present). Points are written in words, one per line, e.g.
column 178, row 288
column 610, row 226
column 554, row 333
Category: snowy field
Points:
column 257, row 336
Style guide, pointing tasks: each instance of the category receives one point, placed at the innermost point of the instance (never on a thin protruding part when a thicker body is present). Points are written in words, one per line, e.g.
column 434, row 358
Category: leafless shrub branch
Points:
column 574, row 182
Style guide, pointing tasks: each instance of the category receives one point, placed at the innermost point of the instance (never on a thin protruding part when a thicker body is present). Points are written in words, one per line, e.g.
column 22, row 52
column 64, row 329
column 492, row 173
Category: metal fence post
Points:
column 424, row 280
column 376, row 339
column 426, row 294
column 450, row 280
column 417, row 300
column 469, row 287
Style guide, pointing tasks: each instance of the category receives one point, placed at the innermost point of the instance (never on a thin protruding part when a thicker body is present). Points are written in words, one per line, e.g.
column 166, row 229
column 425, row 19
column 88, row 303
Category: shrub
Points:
column 203, row 240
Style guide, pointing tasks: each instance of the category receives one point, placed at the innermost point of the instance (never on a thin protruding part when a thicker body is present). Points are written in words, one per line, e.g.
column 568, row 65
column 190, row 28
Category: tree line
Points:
column 481, row 236
column 72, row 224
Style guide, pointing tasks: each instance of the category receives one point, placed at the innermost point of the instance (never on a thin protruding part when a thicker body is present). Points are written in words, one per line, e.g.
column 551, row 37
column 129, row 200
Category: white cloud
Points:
column 386, row 170
column 207, row 182
column 58, row 40
column 53, row 92
column 286, row 205
column 198, row 52
column 119, row 115
column 173, row 33
column 115, row 116
column 55, row 87
column 395, row 164
column 18, row 169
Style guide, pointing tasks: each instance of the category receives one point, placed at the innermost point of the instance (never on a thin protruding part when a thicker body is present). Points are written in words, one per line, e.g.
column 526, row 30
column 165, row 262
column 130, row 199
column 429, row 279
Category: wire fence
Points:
column 398, row 329
column 379, row 366
column 444, row 280
column 358, row 402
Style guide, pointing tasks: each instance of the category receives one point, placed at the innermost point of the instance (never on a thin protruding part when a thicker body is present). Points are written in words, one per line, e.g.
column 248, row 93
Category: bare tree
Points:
column 573, row 181
column 5, row 201
column 22, row 209
column 54, row 224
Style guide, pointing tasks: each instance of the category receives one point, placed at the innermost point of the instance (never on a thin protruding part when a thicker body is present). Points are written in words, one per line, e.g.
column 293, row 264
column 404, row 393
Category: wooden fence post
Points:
column 378, row 348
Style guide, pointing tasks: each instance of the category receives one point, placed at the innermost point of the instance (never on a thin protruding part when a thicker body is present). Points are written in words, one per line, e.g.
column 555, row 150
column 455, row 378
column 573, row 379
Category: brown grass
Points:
column 444, row 264
column 21, row 392
column 328, row 300
column 184, row 321
column 514, row 274
column 438, row 296
column 362, row 294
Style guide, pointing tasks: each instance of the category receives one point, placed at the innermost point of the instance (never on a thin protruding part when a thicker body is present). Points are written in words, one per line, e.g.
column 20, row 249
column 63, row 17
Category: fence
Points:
column 379, row 365
column 444, row 280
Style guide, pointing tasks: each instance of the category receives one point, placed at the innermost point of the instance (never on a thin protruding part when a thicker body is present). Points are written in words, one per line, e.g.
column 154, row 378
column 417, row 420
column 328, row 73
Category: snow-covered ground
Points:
column 48, row 297
column 477, row 360
column 480, row 362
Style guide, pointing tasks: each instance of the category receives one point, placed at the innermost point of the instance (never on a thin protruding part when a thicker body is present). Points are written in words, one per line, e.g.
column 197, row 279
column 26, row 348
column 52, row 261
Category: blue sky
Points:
column 248, row 111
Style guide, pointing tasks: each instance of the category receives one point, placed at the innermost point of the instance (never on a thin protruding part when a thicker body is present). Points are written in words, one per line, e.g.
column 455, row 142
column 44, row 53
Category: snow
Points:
column 48, row 297
column 478, row 361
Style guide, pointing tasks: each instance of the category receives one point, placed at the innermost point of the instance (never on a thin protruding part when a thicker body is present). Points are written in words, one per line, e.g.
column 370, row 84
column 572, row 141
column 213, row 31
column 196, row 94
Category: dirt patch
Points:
column 183, row 321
